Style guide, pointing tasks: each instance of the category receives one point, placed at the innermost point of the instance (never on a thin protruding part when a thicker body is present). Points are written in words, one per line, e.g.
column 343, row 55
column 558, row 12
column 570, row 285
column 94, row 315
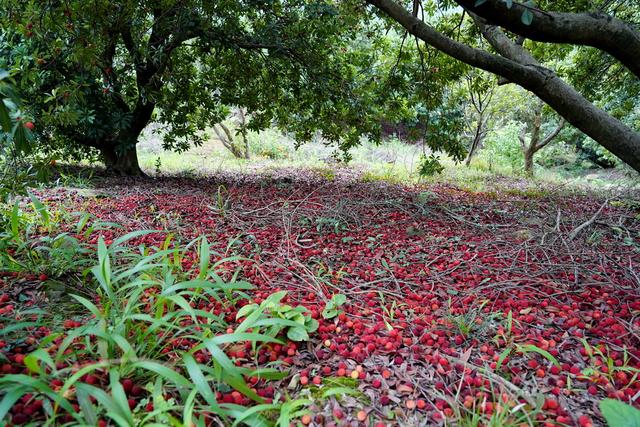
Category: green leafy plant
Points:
column 471, row 321
column 222, row 200
column 331, row 309
column 429, row 166
column 603, row 365
column 296, row 321
column 145, row 322
column 525, row 349
column 31, row 240
column 619, row 414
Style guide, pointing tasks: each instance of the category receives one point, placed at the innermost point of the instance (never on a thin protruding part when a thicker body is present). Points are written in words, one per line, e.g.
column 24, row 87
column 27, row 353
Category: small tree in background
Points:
column 480, row 91
column 229, row 138
column 536, row 142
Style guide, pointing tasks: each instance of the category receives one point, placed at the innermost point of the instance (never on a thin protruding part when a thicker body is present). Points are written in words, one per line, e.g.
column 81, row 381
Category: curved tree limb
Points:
column 596, row 29
column 551, row 136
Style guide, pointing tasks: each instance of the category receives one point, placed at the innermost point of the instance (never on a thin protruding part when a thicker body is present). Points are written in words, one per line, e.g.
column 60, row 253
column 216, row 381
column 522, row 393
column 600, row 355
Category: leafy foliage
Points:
column 331, row 309
column 296, row 321
column 619, row 414
column 142, row 322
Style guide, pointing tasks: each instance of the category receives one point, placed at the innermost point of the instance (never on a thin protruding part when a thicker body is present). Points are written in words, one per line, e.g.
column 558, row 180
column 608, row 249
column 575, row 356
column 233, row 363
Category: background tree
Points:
column 229, row 138
column 514, row 32
column 536, row 141
column 479, row 90
column 96, row 73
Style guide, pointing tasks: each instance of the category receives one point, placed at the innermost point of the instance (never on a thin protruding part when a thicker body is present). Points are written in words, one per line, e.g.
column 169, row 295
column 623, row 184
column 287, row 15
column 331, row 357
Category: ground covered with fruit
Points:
column 424, row 305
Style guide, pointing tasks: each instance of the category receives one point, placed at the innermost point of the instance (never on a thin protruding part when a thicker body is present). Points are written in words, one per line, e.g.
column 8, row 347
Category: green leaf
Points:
column 275, row 298
column 41, row 209
column 249, row 415
column 32, row 359
column 199, row 380
column 5, row 120
column 311, row 324
column 164, row 371
column 339, row 299
column 503, row 356
column 8, row 400
column 509, row 3
column 231, row 373
column 479, row 2
column 532, row 348
column 245, row 310
column 339, row 391
column 114, row 411
column 88, row 410
column 527, row 17
column 236, row 337
column 205, row 258
column 6, row 330
column 329, row 313
column 120, row 397
column 619, row 414
column 297, row 334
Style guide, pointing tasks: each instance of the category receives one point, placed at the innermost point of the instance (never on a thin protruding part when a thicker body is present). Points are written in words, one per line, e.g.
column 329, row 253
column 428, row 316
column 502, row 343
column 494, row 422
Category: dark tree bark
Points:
column 478, row 137
column 122, row 161
column 516, row 65
column 596, row 29
column 120, row 153
column 230, row 139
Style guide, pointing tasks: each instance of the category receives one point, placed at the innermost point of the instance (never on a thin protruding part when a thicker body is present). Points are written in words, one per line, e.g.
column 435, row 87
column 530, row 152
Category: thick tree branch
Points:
column 569, row 103
column 597, row 29
column 502, row 44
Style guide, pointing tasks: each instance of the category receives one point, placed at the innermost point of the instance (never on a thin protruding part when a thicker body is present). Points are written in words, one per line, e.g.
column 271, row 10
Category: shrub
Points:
column 502, row 147
column 270, row 143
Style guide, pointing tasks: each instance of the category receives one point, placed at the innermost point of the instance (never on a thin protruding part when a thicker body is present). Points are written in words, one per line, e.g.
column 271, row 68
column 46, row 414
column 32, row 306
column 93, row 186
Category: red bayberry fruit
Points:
column 338, row 413
column 127, row 385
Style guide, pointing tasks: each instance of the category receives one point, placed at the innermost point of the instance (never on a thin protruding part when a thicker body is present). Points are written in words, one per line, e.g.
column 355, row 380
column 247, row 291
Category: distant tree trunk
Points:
column 229, row 140
column 478, row 137
column 535, row 144
column 480, row 97
column 243, row 131
column 528, row 161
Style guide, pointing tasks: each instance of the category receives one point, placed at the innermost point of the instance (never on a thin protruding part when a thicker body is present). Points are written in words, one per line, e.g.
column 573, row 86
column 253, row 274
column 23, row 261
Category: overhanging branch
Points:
column 611, row 133
column 596, row 29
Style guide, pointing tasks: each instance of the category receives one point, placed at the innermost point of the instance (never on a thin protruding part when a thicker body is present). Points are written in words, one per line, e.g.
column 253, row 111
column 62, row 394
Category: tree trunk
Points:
column 477, row 140
column 474, row 146
column 122, row 162
column 528, row 161
column 596, row 29
column 120, row 155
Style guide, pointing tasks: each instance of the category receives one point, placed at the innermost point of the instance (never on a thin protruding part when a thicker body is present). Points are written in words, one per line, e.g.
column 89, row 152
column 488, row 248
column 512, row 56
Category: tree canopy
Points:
column 95, row 74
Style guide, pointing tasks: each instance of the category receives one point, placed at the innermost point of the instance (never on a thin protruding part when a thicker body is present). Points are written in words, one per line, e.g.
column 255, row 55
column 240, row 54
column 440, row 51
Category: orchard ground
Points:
column 514, row 306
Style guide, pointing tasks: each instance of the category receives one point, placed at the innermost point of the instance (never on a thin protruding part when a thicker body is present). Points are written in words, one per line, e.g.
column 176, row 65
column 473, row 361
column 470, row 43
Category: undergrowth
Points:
column 151, row 335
